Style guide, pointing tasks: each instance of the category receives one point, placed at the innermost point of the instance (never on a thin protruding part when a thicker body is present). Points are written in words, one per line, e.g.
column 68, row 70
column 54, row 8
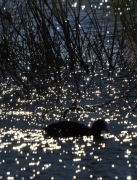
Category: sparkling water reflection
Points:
column 27, row 154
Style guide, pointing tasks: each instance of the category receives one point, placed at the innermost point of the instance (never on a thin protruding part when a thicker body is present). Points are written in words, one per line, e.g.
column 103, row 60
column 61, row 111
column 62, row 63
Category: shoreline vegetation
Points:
column 62, row 48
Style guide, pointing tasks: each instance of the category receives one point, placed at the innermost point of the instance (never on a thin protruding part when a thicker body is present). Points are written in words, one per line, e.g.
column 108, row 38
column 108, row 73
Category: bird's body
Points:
column 75, row 129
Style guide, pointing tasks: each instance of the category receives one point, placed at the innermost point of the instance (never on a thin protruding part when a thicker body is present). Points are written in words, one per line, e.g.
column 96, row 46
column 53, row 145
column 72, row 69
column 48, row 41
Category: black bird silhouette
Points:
column 75, row 129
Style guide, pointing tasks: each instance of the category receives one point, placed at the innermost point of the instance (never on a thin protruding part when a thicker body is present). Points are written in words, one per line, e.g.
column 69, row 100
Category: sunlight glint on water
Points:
column 26, row 154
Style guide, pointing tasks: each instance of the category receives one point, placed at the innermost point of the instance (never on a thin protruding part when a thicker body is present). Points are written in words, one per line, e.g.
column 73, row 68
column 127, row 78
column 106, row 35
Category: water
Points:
column 26, row 154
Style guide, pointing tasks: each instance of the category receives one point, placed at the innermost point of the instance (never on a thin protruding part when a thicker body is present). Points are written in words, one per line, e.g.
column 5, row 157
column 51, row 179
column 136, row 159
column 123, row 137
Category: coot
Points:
column 75, row 129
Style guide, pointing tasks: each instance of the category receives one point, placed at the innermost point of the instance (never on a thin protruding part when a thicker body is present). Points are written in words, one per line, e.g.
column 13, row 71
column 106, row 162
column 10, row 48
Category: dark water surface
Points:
column 26, row 154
